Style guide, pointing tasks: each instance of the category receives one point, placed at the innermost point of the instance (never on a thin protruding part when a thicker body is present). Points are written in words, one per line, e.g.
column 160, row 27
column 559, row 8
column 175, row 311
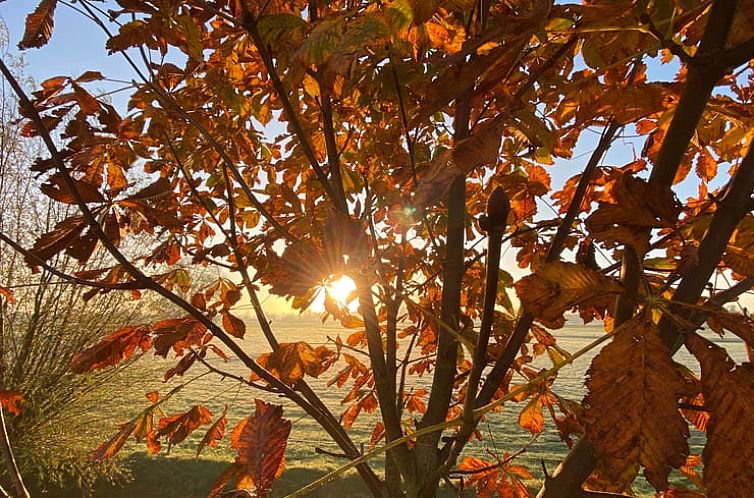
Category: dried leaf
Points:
column 233, row 325
column 178, row 427
column 11, row 401
column 436, row 183
column 215, row 433
column 531, row 417
column 632, row 407
column 7, row 294
column 728, row 389
column 638, row 207
column 39, row 25
column 557, row 287
column 261, row 441
column 177, row 334
column 291, row 361
column 65, row 234
column 115, row 348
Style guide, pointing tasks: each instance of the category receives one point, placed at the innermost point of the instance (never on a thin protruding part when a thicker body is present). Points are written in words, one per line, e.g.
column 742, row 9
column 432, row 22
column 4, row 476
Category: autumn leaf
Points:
column 233, row 325
column 7, row 294
column 261, row 441
column 738, row 256
column 728, row 455
column 435, row 184
column 632, row 407
column 141, row 427
column 378, row 432
column 39, row 25
column 113, row 349
column 636, row 208
column 178, row 427
column 11, row 401
column 183, row 365
column 741, row 325
column 556, row 287
column 495, row 479
column 178, row 334
column 57, row 188
column 479, row 149
column 531, row 417
column 109, row 448
column 65, row 234
column 695, row 411
column 291, row 361
column 215, row 433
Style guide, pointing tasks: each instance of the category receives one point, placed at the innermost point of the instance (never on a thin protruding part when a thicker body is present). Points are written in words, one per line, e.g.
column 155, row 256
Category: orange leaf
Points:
column 435, row 184
column 531, row 417
column 57, row 188
column 64, row 235
column 177, row 333
column 638, row 207
column 11, row 401
column 261, row 441
column 39, row 25
column 215, row 433
column 109, row 448
column 557, row 287
column 728, row 389
column 7, row 294
column 292, row 360
column 233, row 325
column 178, row 427
column 115, row 348
column 632, row 407
column 378, row 432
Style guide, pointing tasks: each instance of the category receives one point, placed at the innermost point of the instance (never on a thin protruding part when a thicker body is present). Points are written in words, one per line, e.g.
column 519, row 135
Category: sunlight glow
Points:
column 340, row 289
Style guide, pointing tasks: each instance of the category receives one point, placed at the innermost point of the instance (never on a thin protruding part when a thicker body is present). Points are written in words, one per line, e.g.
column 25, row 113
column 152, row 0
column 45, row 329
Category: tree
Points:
column 56, row 415
column 404, row 122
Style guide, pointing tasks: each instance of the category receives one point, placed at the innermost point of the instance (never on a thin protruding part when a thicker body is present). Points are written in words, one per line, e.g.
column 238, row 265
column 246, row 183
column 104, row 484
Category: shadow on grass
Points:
column 169, row 477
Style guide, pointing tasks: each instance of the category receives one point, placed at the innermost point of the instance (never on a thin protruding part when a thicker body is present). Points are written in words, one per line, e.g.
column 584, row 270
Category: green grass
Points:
column 178, row 477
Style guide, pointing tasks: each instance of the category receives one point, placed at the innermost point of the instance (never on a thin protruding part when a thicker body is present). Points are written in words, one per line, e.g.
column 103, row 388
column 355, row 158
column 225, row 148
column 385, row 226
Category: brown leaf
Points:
column 479, row 149
column 531, row 417
column 706, row 166
column 142, row 427
column 291, row 361
column 61, row 237
column 177, row 333
column 7, row 294
column 109, row 448
column 632, row 407
column 435, row 184
column 637, row 208
column 728, row 389
column 261, row 441
column 11, row 401
column 178, row 427
column 558, row 286
column 699, row 418
column 87, row 103
column 57, row 188
column 378, row 432
column 214, row 434
column 39, row 25
column 115, row 348
column 233, row 325
column 741, row 325
column 183, row 365
column 738, row 256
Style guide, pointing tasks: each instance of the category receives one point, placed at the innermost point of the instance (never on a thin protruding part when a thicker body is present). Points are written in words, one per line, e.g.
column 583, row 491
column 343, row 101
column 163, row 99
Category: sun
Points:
column 340, row 289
